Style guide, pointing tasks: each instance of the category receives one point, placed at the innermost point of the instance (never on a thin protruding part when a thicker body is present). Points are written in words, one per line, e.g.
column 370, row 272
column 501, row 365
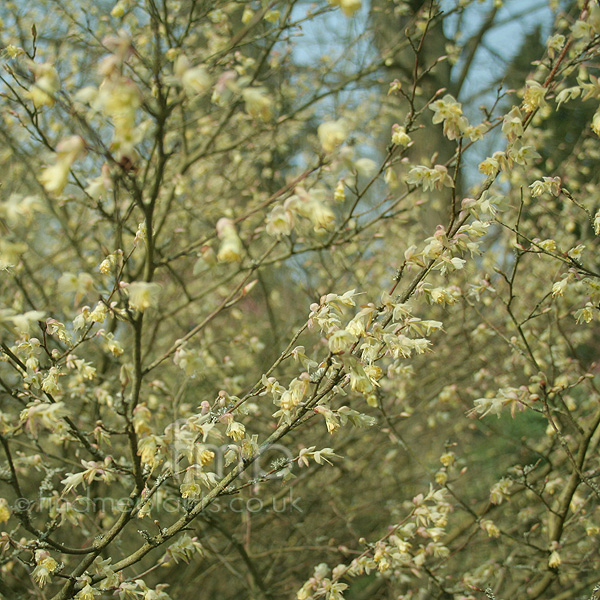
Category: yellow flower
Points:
column 98, row 186
column 54, row 178
column 230, row 250
column 4, row 511
column 46, row 85
column 272, row 16
column 399, row 135
column 50, row 382
column 39, row 415
column 279, row 222
column 147, row 449
column 349, row 7
column 548, row 245
column 341, row 341
column 490, row 528
column 119, row 98
column 489, row 166
column 591, row 529
column 206, row 457
column 13, row 51
column 87, row 593
column 190, row 489
column 512, row 124
column 449, row 111
column 258, row 104
column 118, row 10
column 554, row 561
column 340, row 192
column 534, row 96
column 322, row 216
column 430, row 178
column 596, row 123
column 194, row 80
column 332, row 134
column 46, row 565
column 143, row 295
column 441, row 477
column 448, row 458
column 231, row 246
column 247, row 15
column 236, row 431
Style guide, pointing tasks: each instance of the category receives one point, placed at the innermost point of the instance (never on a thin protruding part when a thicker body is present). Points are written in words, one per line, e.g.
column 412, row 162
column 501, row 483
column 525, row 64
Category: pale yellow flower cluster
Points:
column 117, row 98
column 195, row 81
column 40, row 415
column 45, row 566
column 99, row 186
column 535, row 96
column 550, row 185
column 398, row 550
column 259, row 105
column 449, row 112
column 231, row 249
column 312, row 205
column 4, row 511
column 46, row 85
column 280, row 221
column 54, row 178
column 148, row 448
column 332, row 134
column 349, row 7
column 399, row 135
column 309, row 204
column 430, row 179
column 142, row 295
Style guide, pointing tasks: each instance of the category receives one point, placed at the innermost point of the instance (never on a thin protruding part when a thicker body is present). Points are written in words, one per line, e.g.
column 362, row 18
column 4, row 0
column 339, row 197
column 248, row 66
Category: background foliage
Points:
column 299, row 300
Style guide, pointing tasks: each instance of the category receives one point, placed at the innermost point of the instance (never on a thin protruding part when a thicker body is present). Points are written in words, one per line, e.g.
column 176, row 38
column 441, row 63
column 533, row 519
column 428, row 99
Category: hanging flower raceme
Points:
column 258, row 104
column 195, row 81
column 100, row 185
column 46, row 565
column 280, row 221
column 54, row 178
column 332, row 134
column 142, row 295
column 118, row 99
column 231, row 246
column 512, row 124
column 349, row 7
column 449, row 112
column 430, row 179
column 534, row 96
column 311, row 204
column 399, row 135
column 46, row 85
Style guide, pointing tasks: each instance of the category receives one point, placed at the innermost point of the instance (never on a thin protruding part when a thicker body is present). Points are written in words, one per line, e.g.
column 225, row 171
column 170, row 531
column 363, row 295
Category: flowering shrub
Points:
column 285, row 321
